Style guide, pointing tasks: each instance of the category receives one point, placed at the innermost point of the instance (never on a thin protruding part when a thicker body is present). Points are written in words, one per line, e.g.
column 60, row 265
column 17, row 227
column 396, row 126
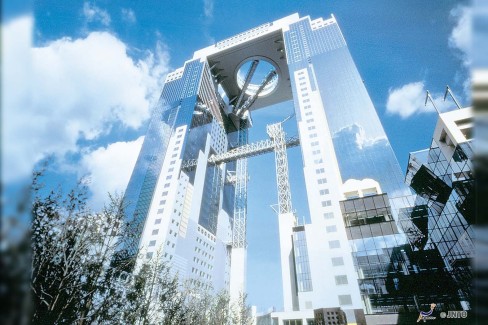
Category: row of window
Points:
column 202, row 262
column 149, row 255
column 201, row 273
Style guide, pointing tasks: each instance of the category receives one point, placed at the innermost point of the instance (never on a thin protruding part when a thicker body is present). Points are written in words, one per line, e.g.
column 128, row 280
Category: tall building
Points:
column 442, row 177
column 188, row 192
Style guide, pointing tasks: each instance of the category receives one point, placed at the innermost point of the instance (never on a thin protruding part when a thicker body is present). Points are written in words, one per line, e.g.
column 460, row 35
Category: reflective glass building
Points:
column 442, row 176
column 187, row 196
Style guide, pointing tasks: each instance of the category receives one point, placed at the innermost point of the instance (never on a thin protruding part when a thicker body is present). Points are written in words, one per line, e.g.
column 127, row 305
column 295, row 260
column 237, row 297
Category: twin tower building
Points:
column 187, row 196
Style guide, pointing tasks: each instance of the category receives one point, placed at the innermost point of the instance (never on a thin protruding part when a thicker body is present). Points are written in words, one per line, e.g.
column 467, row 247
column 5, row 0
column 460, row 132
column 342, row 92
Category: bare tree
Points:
column 241, row 311
column 73, row 277
column 76, row 279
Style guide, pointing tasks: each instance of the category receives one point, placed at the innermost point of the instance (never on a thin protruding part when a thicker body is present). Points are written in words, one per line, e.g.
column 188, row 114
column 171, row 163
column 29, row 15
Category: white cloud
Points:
column 460, row 37
column 128, row 15
column 110, row 169
column 460, row 40
column 16, row 96
column 93, row 13
column 208, row 8
column 409, row 99
column 55, row 95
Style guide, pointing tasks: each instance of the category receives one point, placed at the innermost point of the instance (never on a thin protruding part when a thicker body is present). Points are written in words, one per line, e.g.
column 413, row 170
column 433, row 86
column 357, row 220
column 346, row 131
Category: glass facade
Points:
column 406, row 250
column 361, row 146
column 394, row 276
column 302, row 264
column 445, row 188
column 175, row 108
column 362, row 151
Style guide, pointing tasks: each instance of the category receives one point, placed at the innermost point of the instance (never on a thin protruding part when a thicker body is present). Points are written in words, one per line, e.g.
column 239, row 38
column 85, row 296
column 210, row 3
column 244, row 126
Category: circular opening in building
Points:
column 261, row 72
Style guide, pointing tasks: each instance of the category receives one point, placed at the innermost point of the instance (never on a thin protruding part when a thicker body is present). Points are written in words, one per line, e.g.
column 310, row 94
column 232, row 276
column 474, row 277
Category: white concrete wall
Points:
column 323, row 198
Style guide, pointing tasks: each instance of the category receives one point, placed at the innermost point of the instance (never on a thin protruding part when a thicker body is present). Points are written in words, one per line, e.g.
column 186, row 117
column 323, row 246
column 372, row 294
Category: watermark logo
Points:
column 427, row 315
column 454, row 314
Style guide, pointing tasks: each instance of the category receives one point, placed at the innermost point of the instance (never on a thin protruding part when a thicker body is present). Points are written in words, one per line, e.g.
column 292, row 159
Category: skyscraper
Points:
column 188, row 192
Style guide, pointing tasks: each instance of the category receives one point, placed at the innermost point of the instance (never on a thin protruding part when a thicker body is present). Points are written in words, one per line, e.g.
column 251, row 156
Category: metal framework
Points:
column 244, row 151
column 239, row 111
column 277, row 135
column 277, row 143
column 249, row 75
column 251, row 150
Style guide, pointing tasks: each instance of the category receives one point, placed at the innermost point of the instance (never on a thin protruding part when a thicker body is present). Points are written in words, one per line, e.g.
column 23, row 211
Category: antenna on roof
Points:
column 429, row 97
column 448, row 91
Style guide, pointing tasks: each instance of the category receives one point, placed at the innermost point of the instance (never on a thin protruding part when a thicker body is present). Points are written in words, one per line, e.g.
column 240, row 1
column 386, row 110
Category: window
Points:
column 318, row 161
column 324, row 191
column 149, row 255
column 313, row 135
column 341, row 279
column 329, row 215
column 337, row 261
column 170, row 170
column 320, row 171
column 152, row 243
column 162, row 202
column 160, row 211
column 332, row 228
column 310, row 127
column 169, row 177
column 166, row 185
column 308, row 114
column 165, row 193
column 322, row 180
column 315, row 143
column 155, row 232
column 157, row 221
column 334, row 244
column 172, row 162
column 345, row 300
column 306, row 101
column 174, row 155
column 315, row 152
column 326, row 203
column 310, row 120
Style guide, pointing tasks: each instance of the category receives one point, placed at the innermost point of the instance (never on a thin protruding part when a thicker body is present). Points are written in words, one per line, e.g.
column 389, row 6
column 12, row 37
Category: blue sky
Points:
column 80, row 78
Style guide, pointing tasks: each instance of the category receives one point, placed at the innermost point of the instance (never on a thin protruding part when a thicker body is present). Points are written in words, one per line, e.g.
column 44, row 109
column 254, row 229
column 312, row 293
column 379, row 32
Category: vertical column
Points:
column 239, row 245
column 286, row 218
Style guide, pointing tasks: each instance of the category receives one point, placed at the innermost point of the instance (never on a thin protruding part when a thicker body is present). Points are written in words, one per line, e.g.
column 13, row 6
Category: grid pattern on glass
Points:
column 366, row 210
column 302, row 266
column 446, row 187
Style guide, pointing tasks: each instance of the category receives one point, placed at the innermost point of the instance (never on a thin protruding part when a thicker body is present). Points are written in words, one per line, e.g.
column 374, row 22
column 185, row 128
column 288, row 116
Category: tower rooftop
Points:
column 264, row 43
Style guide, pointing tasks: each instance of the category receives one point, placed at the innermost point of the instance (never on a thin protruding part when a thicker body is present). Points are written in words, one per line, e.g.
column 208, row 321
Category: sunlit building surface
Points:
column 187, row 196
